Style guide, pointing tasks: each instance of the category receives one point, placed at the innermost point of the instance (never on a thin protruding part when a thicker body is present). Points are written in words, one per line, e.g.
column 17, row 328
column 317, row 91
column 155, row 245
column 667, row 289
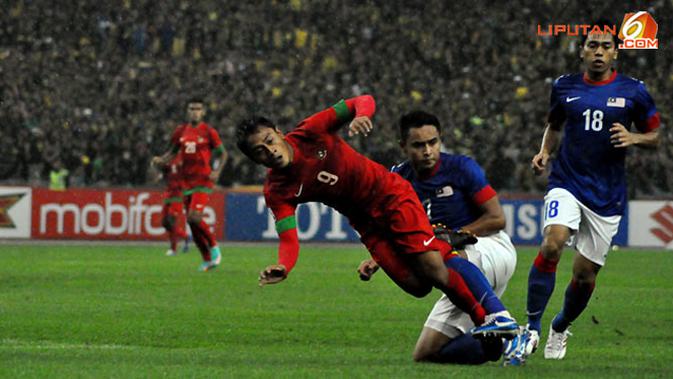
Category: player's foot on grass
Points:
column 215, row 255
column 497, row 324
column 215, row 259
column 170, row 253
column 556, row 344
column 532, row 342
column 515, row 353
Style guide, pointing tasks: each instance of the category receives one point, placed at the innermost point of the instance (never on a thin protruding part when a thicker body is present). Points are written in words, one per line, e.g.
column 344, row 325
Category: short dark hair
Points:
column 602, row 23
column 417, row 119
column 195, row 100
column 248, row 127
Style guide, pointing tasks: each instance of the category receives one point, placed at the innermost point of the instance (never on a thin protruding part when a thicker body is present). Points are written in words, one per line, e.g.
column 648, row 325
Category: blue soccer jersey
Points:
column 588, row 165
column 453, row 192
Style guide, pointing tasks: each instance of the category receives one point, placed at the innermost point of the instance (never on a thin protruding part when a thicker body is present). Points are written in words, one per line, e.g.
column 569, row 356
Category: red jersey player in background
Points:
column 173, row 215
column 197, row 143
column 312, row 163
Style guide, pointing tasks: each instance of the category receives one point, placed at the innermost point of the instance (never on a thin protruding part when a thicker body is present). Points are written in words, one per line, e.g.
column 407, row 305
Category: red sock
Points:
column 172, row 236
column 201, row 242
column 207, row 234
column 545, row 265
column 180, row 228
column 462, row 297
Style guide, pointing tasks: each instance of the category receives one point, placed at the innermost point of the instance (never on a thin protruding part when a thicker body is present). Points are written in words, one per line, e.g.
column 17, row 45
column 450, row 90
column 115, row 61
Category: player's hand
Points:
column 272, row 274
column 621, row 137
column 367, row 269
column 457, row 238
column 539, row 162
column 214, row 176
column 157, row 161
column 360, row 125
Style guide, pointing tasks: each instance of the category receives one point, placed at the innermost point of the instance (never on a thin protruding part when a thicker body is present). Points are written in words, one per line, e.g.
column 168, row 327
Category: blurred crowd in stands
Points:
column 98, row 87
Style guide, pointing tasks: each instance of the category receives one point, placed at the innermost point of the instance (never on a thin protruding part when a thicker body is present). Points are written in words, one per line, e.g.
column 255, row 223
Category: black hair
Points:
column 417, row 119
column 602, row 23
column 248, row 127
column 195, row 100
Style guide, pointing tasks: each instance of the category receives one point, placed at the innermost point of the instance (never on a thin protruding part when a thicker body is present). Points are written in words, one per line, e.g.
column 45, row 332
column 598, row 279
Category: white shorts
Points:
column 496, row 258
column 591, row 234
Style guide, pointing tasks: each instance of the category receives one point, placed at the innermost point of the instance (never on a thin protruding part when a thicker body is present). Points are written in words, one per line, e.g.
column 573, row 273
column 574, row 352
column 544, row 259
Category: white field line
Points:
column 51, row 345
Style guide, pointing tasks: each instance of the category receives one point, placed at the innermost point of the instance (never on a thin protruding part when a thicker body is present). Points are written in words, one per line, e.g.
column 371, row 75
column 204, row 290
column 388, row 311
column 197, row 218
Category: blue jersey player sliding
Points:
column 455, row 193
column 587, row 189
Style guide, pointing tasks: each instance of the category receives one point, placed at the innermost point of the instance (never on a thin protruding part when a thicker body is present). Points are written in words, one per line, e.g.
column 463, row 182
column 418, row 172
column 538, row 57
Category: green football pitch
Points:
column 129, row 311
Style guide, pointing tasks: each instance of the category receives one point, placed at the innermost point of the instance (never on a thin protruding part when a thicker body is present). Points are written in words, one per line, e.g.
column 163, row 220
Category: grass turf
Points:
column 129, row 311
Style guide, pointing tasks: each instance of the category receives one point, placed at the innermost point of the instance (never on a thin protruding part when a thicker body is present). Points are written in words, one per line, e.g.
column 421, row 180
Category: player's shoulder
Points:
column 403, row 169
column 567, row 80
column 631, row 82
column 456, row 161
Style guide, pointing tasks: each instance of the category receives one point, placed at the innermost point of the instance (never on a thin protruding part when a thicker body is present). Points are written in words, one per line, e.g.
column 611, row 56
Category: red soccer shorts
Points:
column 173, row 208
column 402, row 228
column 197, row 201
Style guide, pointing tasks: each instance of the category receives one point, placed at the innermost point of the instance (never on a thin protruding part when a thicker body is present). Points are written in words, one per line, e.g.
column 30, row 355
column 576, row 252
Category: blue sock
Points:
column 467, row 350
column 576, row 300
column 541, row 281
column 477, row 283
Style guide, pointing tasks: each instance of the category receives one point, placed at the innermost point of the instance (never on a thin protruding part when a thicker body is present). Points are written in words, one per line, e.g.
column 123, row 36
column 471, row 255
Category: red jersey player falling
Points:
column 197, row 143
column 173, row 215
column 312, row 163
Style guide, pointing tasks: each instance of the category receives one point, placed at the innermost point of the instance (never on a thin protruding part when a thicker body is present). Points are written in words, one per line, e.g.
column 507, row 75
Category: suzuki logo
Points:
column 664, row 217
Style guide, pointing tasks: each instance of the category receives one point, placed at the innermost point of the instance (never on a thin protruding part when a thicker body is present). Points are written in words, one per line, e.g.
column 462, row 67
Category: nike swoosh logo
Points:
column 571, row 99
column 301, row 187
column 426, row 243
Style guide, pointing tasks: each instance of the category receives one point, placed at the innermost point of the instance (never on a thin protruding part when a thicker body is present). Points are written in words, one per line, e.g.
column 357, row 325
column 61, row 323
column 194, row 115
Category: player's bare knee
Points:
column 552, row 247
column 421, row 355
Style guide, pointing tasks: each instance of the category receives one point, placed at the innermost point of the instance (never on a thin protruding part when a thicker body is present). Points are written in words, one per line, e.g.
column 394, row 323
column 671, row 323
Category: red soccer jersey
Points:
column 196, row 144
column 326, row 169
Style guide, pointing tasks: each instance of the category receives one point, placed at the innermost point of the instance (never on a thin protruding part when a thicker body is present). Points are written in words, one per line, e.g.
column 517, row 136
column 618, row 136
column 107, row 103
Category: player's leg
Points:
column 444, row 338
column 383, row 252
column 180, row 226
column 168, row 222
column 194, row 205
column 593, row 244
column 414, row 239
column 562, row 216
column 201, row 230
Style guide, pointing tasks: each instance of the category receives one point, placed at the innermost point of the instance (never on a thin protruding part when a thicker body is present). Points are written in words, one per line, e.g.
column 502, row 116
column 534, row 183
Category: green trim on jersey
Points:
column 218, row 150
column 197, row 189
column 174, row 199
column 342, row 112
column 289, row 222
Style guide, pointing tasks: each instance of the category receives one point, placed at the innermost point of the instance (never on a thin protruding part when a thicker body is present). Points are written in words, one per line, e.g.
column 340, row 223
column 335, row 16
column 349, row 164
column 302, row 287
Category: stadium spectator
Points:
column 105, row 79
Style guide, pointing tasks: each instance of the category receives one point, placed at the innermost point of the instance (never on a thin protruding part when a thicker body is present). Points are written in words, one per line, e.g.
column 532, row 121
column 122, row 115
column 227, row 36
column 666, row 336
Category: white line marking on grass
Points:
column 51, row 345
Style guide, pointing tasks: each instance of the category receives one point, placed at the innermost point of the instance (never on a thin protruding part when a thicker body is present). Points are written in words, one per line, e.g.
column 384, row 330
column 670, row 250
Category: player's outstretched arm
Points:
column 359, row 109
column 552, row 134
column 621, row 137
column 288, row 252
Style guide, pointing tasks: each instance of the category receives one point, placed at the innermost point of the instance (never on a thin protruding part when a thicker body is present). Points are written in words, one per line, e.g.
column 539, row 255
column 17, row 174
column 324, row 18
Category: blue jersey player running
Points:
column 455, row 193
column 587, row 189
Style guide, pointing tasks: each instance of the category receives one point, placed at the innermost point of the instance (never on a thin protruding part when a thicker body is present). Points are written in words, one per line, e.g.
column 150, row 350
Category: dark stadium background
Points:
column 100, row 85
